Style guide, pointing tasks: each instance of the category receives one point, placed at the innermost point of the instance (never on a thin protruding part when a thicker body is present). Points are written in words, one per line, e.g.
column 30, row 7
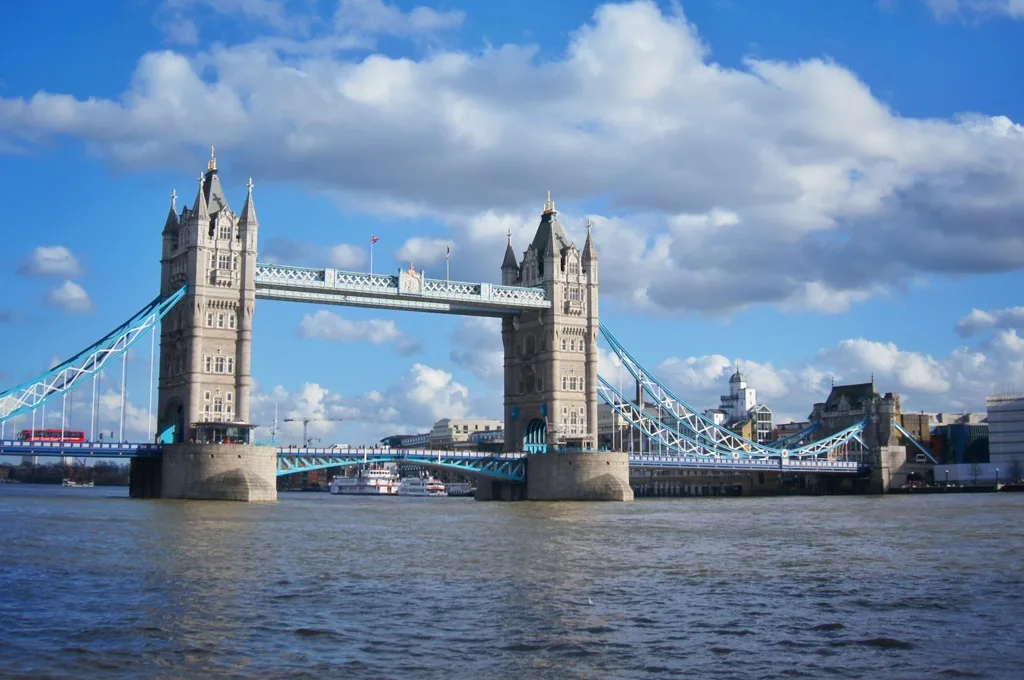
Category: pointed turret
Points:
column 200, row 210
column 589, row 251
column 248, row 216
column 172, row 217
column 549, row 240
column 509, row 263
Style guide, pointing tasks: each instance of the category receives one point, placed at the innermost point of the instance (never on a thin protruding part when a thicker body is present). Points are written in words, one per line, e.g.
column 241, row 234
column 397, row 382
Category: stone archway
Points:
column 171, row 428
column 536, row 438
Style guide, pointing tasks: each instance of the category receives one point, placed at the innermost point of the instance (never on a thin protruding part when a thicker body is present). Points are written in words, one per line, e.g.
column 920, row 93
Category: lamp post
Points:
column 997, row 479
column 947, row 476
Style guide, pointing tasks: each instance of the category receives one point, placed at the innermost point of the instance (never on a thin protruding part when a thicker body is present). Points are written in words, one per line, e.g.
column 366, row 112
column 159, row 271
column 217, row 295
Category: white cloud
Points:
column 1013, row 9
column 421, row 397
column 377, row 17
column 346, row 256
column 50, row 261
column 772, row 183
column 324, row 325
column 423, row 251
column 980, row 320
column 70, row 297
column 477, row 346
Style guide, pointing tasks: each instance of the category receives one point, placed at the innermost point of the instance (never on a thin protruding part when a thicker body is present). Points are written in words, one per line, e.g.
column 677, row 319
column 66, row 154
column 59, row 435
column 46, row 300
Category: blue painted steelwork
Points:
column 794, row 438
column 691, row 432
column 776, row 464
column 504, row 466
column 685, row 444
column 409, row 290
column 916, row 443
column 536, row 439
column 15, row 447
column 69, row 374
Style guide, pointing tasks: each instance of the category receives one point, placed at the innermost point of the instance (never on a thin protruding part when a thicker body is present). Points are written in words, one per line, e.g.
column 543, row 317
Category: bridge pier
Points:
column 498, row 490
column 583, row 476
column 144, row 478
column 229, row 472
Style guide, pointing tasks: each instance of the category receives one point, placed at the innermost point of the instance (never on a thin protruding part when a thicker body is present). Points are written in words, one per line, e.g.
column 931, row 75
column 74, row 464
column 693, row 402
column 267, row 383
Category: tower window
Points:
column 208, row 367
column 231, row 369
column 224, row 261
column 218, row 365
column 224, row 230
column 231, row 320
column 209, row 319
column 220, row 321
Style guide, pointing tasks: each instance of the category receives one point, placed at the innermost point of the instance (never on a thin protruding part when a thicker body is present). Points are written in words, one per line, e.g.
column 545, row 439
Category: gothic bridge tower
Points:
column 551, row 374
column 205, row 347
column 205, row 343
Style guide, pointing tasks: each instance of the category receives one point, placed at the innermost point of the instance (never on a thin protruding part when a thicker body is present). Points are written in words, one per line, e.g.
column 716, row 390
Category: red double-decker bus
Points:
column 51, row 436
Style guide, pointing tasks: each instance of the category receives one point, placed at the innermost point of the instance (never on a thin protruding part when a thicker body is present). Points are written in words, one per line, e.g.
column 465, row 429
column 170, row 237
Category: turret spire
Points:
column 200, row 208
column 549, row 207
column 589, row 251
column 248, row 216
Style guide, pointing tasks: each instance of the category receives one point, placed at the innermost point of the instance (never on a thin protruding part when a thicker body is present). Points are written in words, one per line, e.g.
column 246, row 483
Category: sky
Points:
column 812, row 191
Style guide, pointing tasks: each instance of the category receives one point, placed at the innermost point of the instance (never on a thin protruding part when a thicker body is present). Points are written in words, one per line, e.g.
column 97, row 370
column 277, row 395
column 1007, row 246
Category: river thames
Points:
column 95, row 585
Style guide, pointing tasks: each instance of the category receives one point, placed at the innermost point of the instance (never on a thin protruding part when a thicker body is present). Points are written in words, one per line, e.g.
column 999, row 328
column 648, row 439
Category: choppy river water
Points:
column 95, row 585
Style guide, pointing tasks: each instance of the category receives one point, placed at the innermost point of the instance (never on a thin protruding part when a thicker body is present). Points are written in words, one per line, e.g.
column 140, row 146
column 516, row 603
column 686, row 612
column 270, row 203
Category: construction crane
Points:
column 305, row 425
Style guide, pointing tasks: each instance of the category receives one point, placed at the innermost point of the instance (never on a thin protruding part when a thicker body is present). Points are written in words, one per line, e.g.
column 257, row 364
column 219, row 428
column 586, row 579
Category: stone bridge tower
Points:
column 551, row 355
column 205, row 342
column 205, row 345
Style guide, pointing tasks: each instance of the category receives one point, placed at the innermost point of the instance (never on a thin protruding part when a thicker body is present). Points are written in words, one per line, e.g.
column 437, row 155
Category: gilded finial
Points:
column 212, row 165
column 174, row 198
column 549, row 207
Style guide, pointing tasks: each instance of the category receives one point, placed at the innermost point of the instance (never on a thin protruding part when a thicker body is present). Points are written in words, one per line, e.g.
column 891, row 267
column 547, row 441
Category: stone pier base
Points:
column 578, row 477
column 144, row 478
column 497, row 490
column 222, row 472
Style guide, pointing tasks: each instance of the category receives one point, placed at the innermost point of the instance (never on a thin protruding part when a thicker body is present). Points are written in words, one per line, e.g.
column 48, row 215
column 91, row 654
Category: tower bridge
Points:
column 548, row 305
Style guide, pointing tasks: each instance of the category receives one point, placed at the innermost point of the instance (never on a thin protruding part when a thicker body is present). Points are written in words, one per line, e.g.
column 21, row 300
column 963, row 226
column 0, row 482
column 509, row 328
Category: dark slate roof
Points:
column 548, row 227
column 510, row 258
column 856, row 395
column 214, row 194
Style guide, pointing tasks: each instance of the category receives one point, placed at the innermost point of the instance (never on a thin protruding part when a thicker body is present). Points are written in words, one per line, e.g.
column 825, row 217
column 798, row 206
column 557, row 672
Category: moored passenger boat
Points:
column 368, row 482
column 421, row 486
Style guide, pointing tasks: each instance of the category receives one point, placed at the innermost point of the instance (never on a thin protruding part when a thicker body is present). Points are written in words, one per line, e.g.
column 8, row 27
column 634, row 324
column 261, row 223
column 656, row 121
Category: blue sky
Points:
column 809, row 189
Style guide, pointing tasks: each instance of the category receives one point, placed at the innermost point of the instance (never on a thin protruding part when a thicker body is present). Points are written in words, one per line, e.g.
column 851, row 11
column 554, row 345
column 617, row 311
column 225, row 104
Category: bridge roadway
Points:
column 504, row 466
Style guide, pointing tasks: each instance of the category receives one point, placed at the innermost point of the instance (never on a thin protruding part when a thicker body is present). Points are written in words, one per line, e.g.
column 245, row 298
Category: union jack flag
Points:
column 373, row 239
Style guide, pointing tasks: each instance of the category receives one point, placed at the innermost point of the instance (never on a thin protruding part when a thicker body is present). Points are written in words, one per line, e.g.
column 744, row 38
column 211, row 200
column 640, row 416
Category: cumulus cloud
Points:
column 980, row 320
column 771, row 183
column 1013, row 9
column 419, row 398
column 280, row 250
column 423, row 250
column 50, row 261
column 959, row 381
column 476, row 346
column 70, row 297
column 324, row 325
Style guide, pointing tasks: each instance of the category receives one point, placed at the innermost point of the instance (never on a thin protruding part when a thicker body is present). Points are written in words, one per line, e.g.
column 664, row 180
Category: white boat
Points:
column 79, row 485
column 460, row 489
column 369, row 482
column 421, row 486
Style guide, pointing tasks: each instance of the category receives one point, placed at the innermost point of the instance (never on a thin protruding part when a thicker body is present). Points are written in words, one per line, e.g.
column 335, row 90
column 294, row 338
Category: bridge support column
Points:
column 497, row 490
column 144, row 478
column 585, row 476
column 228, row 472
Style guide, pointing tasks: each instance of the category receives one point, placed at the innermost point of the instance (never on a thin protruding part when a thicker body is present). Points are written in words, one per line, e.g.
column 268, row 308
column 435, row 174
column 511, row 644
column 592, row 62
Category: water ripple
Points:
column 317, row 586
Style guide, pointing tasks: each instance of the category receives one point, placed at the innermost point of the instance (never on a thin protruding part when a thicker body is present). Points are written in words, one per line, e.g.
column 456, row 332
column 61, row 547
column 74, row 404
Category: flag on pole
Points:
column 373, row 239
column 449, row 253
